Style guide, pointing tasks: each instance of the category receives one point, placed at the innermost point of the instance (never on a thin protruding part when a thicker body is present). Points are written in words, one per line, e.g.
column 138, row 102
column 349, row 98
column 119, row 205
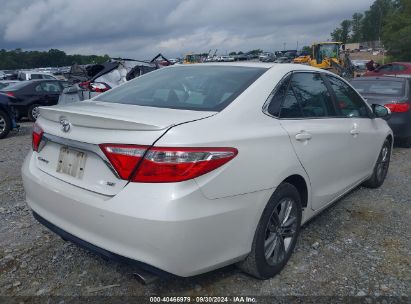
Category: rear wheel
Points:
column 5, row 124
column 33, row 112
column 276, row 234
column 381, row 167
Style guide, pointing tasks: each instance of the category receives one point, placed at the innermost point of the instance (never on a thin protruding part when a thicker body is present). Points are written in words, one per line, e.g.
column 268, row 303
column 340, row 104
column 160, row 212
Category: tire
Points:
column 381, row 167
column 271, row 248
column 32, row 112
column 5, row 124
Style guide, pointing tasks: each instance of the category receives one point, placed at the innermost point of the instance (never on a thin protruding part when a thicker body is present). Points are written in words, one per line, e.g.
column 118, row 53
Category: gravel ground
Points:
column 359, row 246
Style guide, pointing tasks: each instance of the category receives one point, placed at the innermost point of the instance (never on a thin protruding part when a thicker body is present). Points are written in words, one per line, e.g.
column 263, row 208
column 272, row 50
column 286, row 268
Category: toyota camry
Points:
column 193, row 167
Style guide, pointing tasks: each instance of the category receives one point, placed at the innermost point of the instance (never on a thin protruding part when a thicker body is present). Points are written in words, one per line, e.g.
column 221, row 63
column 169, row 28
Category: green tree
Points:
column 397, row 31
column 232, row 53
column 356, row 27
column 306, row 50
column 345, row 30
column 336, row 34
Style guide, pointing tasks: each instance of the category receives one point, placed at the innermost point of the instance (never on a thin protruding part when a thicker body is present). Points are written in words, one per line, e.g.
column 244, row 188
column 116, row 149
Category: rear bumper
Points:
column 400, row 124
column 171, row 227
column 97, row 250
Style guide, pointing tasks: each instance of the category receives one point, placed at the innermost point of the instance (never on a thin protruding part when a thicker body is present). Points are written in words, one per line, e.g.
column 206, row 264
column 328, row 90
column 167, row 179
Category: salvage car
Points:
column 27, row 96
column 192, row 167
column 393, row 69
column 395, row 94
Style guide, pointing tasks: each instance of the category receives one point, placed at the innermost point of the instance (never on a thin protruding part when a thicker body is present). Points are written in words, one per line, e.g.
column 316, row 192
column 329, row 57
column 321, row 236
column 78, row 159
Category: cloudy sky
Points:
column 142, row 28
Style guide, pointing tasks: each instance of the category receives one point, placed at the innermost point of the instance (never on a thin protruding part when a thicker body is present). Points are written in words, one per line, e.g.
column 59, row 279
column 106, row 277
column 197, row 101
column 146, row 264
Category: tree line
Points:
column 19, row 59
column 388, row 21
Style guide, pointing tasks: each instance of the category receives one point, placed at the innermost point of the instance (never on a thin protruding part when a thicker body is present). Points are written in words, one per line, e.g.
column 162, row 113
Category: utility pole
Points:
column 284, row 46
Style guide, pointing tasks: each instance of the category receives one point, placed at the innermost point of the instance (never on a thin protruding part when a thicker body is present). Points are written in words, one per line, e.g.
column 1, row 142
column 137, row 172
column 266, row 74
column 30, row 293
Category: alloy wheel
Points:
column 35, row 112
column 2, row 124
column 383, row 162
column 280, row 231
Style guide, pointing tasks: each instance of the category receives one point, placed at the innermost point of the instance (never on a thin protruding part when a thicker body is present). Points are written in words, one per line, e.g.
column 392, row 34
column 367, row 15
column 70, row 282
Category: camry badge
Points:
column 65, row 125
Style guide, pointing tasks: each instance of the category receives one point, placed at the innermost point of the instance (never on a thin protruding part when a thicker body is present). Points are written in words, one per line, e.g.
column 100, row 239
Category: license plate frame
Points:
column 71, row 162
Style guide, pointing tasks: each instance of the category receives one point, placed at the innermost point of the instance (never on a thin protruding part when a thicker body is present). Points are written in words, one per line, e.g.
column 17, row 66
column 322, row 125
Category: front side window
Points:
column 313, row 95
column 198, row 88
column 349, row 103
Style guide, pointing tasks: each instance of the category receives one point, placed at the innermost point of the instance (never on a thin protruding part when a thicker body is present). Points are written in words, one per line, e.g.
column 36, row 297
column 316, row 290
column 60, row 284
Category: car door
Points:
column 364, row 132
column 320, row 139
column 52, row 90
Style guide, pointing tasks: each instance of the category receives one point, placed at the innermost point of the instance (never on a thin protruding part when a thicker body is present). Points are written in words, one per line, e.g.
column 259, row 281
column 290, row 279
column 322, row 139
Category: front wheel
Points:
column 381, row 167
column 5, row 124
column 276, row 234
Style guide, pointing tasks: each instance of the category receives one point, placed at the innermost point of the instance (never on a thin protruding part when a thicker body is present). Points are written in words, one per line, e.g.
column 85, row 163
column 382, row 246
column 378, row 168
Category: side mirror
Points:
column 381, row 111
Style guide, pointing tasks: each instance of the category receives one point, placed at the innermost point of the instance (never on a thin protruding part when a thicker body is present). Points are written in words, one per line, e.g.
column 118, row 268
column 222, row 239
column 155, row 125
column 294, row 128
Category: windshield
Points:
column 329, row 50
column 383, row 87
column 199, row 87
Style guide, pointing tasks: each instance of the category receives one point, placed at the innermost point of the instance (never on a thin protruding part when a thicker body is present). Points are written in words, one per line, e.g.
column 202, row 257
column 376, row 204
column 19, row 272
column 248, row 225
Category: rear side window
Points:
column 313, row 95
column 291, row 107
column 199, row 88
column 349, row 103
column 36, row 76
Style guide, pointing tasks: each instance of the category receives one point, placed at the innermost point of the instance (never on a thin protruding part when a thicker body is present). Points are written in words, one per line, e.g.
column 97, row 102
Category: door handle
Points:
column 303, row 136
column 354, row 132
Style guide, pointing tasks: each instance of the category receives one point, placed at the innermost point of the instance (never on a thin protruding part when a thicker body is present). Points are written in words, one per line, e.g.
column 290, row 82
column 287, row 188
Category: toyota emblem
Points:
column 65, row 125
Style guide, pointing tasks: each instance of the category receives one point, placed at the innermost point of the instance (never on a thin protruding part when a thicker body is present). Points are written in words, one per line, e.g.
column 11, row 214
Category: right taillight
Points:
column 36, row 137
column 163, row 164
column 399, row 107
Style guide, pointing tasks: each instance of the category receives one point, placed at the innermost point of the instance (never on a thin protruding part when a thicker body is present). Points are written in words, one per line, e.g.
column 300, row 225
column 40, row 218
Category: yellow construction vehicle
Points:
column 325, row 54
column 193, row 58
column 303, row 59
column 328, row 56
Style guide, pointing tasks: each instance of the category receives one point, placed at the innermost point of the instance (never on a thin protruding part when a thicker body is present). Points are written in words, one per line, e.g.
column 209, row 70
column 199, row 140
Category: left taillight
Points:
column 165, row 164
column 124, row 158
column 36, row 137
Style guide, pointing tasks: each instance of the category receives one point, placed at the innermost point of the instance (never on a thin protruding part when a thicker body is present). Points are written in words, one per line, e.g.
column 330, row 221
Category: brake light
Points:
column 10, row 94
column 164, row 165
column 124, row 158
column 36, row 137
column 400, row 107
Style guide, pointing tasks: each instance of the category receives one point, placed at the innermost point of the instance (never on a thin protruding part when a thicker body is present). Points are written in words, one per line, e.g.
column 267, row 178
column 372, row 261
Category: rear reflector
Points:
column 124, row 158
column 36, row 137
column 165, row 165
column 400, row 107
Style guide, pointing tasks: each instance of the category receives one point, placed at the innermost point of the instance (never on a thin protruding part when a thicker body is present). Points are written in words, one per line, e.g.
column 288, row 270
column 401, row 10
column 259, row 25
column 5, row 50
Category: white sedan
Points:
column 193, row 167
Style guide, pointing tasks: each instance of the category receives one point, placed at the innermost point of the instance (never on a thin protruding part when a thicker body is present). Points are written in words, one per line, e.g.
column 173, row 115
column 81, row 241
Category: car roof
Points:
column 284, row 67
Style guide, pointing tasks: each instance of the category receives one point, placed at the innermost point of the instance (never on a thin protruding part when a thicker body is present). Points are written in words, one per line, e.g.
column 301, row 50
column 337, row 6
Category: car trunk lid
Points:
column 70, row 148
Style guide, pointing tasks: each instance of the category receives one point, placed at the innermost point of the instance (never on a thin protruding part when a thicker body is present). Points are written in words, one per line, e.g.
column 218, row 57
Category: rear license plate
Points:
column 71, row 162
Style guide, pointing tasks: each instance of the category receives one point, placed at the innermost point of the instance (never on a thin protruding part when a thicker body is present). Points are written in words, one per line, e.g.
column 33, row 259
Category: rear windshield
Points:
column 383, row 87
column 199, row 88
